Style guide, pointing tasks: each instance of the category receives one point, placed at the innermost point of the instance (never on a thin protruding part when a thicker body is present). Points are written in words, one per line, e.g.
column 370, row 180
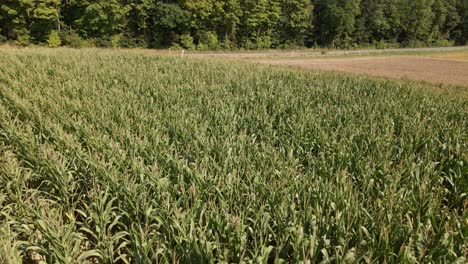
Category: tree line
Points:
column 234, row 24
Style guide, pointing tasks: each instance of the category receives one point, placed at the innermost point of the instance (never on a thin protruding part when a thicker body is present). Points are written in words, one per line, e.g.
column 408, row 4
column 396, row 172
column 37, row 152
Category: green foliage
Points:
column 335, row 21
column 116, row 40
column 261, row 42
column 103, row 19
column 115, row 157
column 260, row 18
column 377, row 21
column 295, row 22
column 417, row 17
column 239, row 23
column 461, row 30
column 72, row 39
column 168, row 21
column 228, row 22
column 22, row 37
column 44, row 18
column 207, row 41
column 54, row 40
column 103, row 42
column 9, row 252
column 186, row 41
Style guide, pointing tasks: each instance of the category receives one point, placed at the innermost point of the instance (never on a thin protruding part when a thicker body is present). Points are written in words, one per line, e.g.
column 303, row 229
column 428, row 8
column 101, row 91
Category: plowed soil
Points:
column 434, row 70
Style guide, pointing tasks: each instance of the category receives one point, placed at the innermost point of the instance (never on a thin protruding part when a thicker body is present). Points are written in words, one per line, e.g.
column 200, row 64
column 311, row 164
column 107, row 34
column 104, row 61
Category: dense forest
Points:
column 234, row 24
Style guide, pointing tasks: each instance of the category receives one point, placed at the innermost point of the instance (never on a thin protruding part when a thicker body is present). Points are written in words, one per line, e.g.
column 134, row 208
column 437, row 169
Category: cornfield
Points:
column 128, row 157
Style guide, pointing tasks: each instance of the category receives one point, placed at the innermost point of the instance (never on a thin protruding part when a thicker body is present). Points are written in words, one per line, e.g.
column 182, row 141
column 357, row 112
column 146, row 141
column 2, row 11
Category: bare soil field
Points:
column 461, row 56
column 444, row 70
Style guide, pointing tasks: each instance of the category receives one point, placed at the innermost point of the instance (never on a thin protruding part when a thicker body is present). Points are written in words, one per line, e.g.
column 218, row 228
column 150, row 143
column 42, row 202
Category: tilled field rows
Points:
column 442, row 70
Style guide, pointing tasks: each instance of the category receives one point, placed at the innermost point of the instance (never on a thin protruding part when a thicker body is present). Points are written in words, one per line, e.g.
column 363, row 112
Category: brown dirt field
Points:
column 451, row 56
column 410, row 67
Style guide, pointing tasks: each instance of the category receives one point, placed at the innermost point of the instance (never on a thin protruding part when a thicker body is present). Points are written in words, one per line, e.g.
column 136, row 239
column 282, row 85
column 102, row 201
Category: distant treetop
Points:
column 235, row 24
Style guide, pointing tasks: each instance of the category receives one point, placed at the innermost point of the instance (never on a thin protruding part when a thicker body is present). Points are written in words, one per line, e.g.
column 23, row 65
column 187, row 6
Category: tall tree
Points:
column 235, row 23
column 295, row 22
column 417, row 19
column 452, row 18
column 335, row 21
column 17, row 20
column 204, row 15
column 228, row 22
column 166, row 23
column 258, row 21
column 102, row 18
column 25, row 20
column 377, row 21
column 461, row 30
column 44, row 18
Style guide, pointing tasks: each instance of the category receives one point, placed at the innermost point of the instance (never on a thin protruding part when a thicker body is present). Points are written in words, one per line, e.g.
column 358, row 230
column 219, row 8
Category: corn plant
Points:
column 130, row 157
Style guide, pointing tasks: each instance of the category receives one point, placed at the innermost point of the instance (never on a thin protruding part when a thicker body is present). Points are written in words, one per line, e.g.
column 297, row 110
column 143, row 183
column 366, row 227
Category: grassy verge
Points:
column 449, row 54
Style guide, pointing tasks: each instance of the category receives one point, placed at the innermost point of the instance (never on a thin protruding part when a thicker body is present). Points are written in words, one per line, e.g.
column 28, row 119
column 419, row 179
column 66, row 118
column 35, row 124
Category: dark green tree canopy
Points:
column 211, row 24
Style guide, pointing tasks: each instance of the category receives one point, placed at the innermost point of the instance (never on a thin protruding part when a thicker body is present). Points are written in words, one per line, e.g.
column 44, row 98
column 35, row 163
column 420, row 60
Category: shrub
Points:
column 74, row 40
column 186, row 42
column 175, row 46
column 207, row 40
column 23, row 38
column 264, row 42
column 202, row 47
column 415, row 44
column 53, row 39
column 132, row 42
column 115, row 40
column 443, row 43
column 103, row 42
column 227, row 44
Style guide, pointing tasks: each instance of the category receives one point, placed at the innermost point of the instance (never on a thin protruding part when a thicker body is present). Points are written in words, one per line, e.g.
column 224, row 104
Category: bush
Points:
column 103, row 42
column 443, row 43
column 186, row 42
column 53, row 39
column 74, row 40
column 264, row 42
column 115, row 40
column 343, row 43
column 414, row 43
column 132, row 42
column 227, row 44
column 382, row 44
column 175, row 46
column 278, row 43
column 207, row 40
column 202, row 47
column 23, row 38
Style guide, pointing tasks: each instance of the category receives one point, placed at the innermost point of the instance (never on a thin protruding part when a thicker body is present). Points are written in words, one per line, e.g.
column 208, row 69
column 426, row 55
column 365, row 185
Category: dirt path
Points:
column 313, row 53
column 409, row 67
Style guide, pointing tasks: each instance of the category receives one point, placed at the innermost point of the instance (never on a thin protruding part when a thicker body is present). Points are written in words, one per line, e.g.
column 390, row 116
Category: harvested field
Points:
column 416, row 68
